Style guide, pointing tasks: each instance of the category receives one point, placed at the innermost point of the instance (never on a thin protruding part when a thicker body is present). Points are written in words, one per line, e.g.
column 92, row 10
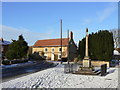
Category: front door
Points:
column 52, row 57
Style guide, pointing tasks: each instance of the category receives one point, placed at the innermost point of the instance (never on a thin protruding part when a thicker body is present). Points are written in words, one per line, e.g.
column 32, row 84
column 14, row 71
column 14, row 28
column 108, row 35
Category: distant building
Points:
column 3, row 47
column 116, row 54
column 52, row 48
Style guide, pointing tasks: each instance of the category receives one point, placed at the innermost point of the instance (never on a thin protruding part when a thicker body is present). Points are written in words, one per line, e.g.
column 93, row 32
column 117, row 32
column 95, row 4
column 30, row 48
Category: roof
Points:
column 3, row 42
column 118, row 49
column 51, row 42
column 116, row 52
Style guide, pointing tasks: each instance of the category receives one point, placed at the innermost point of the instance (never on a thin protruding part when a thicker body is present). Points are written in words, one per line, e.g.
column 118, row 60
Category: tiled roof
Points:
column 51, row 42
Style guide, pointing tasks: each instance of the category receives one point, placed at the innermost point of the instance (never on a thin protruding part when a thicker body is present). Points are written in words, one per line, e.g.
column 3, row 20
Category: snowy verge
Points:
column 16, row 65
column 56, row 78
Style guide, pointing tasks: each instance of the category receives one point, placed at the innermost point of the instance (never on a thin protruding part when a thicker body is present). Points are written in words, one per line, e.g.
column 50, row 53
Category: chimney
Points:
column 71, row 35
column 1, row 39
column 86, row 31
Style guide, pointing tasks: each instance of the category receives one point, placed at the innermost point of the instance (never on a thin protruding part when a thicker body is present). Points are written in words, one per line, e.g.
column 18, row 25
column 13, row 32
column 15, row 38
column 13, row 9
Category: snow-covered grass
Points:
column 15, row 65
column 56, row 78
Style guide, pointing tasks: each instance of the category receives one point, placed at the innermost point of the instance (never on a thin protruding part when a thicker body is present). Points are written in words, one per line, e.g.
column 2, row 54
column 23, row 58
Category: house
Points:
column 116, row 54
column 52, row 48
column 3, row 47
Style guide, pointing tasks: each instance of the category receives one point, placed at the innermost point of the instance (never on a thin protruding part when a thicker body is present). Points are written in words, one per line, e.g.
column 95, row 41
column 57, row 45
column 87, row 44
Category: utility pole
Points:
column 61, row 38
column 68, row 46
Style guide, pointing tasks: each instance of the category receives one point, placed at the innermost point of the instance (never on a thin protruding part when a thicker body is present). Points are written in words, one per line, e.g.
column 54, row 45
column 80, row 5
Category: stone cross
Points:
column 86, row 53
column 86, row 60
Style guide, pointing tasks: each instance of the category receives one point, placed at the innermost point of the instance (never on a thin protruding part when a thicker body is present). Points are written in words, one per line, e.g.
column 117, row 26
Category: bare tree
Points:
column 116, row 37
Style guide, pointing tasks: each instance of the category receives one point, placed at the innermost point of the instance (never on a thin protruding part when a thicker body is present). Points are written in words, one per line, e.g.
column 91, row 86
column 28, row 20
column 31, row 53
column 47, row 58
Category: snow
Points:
column 15, row 65
column 116, row 52
column 5, row 42
column 56, row 78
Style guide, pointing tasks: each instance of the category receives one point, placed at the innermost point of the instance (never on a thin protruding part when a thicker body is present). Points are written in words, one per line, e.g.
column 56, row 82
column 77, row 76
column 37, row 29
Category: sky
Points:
column 41, row 20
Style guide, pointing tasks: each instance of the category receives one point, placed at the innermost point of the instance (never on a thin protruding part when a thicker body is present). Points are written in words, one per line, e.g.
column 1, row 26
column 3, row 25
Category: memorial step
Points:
column 98, row 73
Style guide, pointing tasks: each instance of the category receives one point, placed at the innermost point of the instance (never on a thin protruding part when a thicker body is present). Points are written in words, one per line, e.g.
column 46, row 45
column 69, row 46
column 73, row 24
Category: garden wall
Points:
column 99, row 63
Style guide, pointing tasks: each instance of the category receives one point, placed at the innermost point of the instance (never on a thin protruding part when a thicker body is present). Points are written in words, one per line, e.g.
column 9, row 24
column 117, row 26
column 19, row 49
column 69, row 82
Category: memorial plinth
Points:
column 86, row 63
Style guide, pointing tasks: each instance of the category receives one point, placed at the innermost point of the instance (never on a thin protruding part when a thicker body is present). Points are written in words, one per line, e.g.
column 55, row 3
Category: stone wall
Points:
column 99, row 63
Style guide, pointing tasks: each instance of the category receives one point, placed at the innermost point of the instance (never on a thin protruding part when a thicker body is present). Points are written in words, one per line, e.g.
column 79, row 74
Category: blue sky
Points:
column 41, row 20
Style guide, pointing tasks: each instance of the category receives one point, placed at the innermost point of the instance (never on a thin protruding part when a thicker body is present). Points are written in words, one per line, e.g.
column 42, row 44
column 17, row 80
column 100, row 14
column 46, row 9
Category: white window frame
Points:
column 58, row 56
column 59, row 49
column 39, row 52
column 45, row 50
column 45, row 55
column 53, row 49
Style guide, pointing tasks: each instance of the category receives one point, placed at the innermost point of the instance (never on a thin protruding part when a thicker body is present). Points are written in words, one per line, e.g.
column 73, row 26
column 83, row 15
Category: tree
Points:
column 81, row 48
column 42, row 54
column 23, row 47
column 18, row 49
column 101, row 46
column 116, row 37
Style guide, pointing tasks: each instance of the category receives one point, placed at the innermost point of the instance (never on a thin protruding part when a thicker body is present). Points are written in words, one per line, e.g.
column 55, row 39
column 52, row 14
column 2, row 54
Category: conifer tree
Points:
column 17, row 49
column 101, row 46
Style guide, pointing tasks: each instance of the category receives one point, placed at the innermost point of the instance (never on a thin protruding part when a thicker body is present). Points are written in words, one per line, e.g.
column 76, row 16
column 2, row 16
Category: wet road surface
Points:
column 15, row 72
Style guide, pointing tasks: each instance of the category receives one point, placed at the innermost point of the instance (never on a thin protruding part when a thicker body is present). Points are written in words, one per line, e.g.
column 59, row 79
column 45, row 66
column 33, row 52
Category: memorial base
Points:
column 86, row 62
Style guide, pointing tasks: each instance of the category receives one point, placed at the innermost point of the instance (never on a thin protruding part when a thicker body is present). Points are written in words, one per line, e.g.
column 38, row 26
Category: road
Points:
column 15, row 72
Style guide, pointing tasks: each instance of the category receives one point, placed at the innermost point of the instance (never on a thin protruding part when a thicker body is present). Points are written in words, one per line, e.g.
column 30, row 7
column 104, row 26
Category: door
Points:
column 52, row 57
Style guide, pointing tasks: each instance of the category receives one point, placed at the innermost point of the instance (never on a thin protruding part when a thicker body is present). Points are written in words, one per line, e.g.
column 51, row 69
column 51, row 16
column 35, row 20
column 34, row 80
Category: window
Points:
column 60, row 49
column 39, row 52
column 45, row 56
column 59, row 56
column 46, row 49
column 52, row 49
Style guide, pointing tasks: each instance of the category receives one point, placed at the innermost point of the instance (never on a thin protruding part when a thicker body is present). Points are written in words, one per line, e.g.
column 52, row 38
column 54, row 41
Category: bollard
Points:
column 103, row 69
column 67, row 68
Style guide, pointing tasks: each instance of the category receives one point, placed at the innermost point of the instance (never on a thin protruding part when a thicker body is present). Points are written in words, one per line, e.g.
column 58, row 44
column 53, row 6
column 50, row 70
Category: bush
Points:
column 36, row 56
column 64, row 59
column 17, row 49
column 42, row 54
column 8, row 62
column 18, row 61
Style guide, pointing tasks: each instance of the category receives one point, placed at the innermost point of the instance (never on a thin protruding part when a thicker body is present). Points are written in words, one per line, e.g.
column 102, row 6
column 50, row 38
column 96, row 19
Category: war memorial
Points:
column 87, row 68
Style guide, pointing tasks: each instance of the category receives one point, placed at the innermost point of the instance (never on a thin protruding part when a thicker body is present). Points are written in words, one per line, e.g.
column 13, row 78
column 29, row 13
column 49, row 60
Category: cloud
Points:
column 105, row 13
column 31, row 37
column 101, row 15
column 87, row 21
